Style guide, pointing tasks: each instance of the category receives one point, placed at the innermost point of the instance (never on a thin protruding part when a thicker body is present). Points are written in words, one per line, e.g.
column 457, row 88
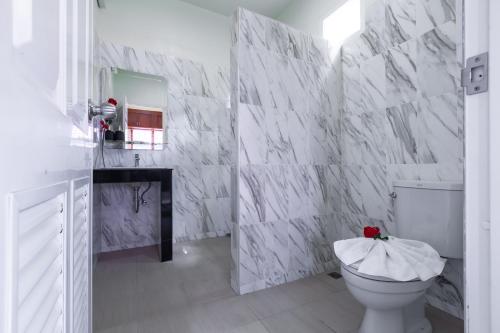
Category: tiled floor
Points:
column 134, row 292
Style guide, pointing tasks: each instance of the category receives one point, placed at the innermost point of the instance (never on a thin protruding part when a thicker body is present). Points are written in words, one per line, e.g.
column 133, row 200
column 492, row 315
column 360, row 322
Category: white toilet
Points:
column 431, row 212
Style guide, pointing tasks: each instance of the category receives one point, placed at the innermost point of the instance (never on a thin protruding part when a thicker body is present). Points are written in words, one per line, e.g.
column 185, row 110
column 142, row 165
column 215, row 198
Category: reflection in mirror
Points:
column 142, row 101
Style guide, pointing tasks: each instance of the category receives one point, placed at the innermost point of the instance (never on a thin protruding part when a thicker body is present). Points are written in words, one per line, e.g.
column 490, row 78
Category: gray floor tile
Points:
column 223, row 315
column 134, row 292
column 442, row 322
column 269, row 302
column 255, row 327
column 292, row 322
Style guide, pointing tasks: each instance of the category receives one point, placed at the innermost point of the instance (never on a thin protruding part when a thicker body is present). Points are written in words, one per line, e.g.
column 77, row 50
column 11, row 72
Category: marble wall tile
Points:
column 122, row 227
column 277, row 136
column 375, row 35
column 351, row 53
column 134, row 60
column 281, row 255
column 437, row 128
column 227, row 148
column 252, row 194
column 276, row 192
column 251, row 29
column 318, row 191
column 299, row 44
column 438, row 71
column 253, row 144
column 297, row 81
column 373, row 87
column 188, row 184
column 432, row 13
column 208, row 114
column 174, row 71
column 210, row 181
column 193, row 73
column 402, row 134
column 365, row 191
column 188, row 216
column 111, row 55
column 299, row 202
column 401, row 73
column 277, row 37
column 254, row 88
column 363, row 133
column 324, row 139
column 214, row 83
column 177, row 117
column 309, row 248
column 224, row 182
column 352, row 90
column 298, row 127
column 277, row 76
column 209, row 148
column 215, row 218
column 400, row 21
column 319, row 52
column 255, row 253
column 447, row 294
column 333, row 176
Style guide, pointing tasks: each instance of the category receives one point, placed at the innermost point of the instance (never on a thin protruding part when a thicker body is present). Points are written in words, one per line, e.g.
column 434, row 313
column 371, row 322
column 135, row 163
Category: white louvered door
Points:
column 79, row 257
column 36, row 248
column 45, row 166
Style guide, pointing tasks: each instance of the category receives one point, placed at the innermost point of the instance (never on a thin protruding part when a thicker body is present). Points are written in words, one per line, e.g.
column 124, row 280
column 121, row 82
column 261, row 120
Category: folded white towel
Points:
column 395, row 258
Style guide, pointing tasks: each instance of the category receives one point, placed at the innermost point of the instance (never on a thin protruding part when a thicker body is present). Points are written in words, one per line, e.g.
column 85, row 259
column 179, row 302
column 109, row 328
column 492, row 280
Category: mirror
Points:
column 141, row 118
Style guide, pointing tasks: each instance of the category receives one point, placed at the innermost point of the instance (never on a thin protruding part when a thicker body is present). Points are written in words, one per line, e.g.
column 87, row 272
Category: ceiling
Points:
column 271, row 8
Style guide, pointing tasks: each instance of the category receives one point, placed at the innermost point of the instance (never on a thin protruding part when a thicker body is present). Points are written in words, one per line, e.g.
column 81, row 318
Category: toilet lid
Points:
column 393, row 258
column 355, row 271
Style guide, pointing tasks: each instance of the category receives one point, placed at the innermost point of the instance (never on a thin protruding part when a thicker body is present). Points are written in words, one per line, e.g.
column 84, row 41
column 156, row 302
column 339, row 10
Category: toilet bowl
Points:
column 429, row 212
column 391, row 306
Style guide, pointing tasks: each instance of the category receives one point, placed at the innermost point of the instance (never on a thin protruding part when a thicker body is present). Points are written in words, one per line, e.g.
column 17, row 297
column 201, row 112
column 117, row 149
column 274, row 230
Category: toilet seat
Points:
column 355, row 271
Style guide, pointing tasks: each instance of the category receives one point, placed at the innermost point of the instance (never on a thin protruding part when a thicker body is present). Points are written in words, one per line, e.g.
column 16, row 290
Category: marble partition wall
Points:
column 402, row 116
column 286, row 100
column 200, row 148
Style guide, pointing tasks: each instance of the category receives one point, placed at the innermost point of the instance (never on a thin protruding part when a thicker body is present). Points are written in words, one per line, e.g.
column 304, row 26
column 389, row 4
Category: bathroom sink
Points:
column 144, row 175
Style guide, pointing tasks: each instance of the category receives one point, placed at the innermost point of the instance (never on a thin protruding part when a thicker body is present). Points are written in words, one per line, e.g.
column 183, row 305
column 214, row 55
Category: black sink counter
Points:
column 140, row 175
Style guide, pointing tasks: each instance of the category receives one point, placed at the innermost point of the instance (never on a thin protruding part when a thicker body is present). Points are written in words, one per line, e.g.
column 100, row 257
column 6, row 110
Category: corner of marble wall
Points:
column 288, row 110
column 400, row 74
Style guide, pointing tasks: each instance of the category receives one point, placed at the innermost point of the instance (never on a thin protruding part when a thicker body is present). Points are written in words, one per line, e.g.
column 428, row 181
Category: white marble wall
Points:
column 321, row 140
column 403, row 115
column 199, row 149
column 286, row 93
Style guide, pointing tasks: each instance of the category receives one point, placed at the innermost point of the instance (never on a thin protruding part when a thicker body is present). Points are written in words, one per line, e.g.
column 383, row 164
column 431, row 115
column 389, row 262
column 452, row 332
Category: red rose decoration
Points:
column 104, row 125
column 113, row 101
column 371, row 232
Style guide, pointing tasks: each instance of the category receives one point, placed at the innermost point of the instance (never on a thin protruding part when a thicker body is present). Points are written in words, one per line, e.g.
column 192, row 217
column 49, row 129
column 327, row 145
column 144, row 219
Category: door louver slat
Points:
column 36, row 224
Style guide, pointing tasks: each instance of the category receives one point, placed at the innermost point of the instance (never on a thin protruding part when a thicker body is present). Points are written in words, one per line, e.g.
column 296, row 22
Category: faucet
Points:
column 137, row 159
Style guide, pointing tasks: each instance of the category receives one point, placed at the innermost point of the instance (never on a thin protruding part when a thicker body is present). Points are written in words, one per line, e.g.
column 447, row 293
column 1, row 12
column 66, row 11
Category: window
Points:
column 342, row 23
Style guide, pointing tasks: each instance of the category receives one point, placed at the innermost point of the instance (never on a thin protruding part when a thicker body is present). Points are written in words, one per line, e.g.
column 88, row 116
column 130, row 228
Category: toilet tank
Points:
column 431, row 212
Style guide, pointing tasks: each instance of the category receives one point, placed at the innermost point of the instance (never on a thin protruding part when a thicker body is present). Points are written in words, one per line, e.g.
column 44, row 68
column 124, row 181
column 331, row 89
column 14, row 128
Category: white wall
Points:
column 308, row 15
column 168, row 26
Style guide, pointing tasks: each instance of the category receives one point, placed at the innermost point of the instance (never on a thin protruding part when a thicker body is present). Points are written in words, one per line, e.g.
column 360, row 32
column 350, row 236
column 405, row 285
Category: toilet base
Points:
column 411, row 319
column 387, row 321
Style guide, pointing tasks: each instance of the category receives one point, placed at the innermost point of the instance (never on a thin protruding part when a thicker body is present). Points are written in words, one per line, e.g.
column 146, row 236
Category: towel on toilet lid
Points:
column 395, row 258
